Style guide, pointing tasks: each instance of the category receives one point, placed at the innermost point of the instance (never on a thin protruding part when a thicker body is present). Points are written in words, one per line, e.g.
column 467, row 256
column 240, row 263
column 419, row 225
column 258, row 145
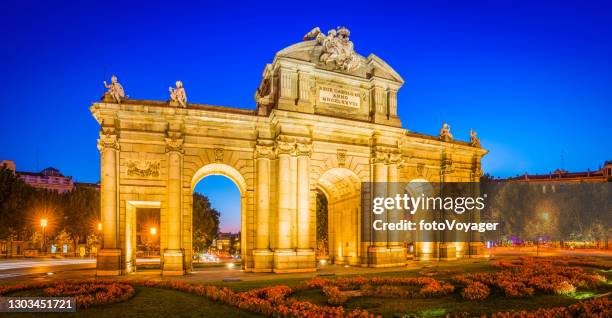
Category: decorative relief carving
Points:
column 420, row 170
column 341, row 156
column 174, row 144
column 446, row 166
column 219, row 154
column 143, row 168
column 337, row 48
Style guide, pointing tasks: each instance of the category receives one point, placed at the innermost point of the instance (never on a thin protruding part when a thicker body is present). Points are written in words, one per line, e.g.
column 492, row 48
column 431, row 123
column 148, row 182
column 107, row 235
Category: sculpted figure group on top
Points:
column 337, row 48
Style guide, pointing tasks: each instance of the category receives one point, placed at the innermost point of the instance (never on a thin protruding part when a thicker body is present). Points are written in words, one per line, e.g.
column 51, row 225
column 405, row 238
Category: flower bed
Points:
column 596, row 308
column 339, row 291
column 523, row 277
column 87, row 292
column 92, row 293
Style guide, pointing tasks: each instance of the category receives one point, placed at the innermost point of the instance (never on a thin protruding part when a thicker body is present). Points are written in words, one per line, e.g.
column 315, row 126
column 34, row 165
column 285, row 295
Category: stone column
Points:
column 447, row 248
column 306, row 259
column 380, row 190
column 262, row 256
column 476, row 247
column 393, row 215
column 284, row 196
column 109, row 257
column 397, row 252
column 303, row 197
column 173, row 254
column 378, row 253
column 293, row 199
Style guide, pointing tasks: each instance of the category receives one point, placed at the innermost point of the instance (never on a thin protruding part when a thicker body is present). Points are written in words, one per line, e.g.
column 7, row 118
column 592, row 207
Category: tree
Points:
column 205, row 223
column 82, row 213
column 15, row 196
column 62, row 238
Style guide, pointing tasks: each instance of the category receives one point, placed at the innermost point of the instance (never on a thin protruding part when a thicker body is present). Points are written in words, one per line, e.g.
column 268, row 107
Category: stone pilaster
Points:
column 109, row 258
column 173, row 254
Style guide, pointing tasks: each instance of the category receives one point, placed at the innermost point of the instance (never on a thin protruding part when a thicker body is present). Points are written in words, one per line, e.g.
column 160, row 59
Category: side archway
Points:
column 220, row 169
column 342, row 187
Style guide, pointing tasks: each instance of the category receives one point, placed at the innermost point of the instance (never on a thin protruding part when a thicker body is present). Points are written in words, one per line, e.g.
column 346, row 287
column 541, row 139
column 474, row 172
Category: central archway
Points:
column 219, row 169
column 342, row 188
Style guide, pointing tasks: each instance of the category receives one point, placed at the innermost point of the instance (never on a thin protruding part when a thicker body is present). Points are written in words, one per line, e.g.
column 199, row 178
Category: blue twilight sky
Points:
column 534, row 78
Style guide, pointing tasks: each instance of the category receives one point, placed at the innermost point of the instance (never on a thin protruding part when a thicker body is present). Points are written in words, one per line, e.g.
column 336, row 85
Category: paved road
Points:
column 11, row 268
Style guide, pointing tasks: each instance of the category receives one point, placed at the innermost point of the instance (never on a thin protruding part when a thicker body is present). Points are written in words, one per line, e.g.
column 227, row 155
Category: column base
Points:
column 173, row 263
column 397, row 255
column 263, row 261
column 426, row 251
column 448, row 251
column 382, row 256
column 294, row 261
column 477, row 250
column 108, row 262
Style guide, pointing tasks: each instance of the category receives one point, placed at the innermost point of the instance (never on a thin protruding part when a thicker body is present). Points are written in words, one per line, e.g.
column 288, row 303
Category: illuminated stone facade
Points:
column 317, row 126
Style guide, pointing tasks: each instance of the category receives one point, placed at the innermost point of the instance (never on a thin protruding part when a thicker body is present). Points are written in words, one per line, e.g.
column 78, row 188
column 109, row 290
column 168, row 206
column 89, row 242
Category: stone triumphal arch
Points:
column 326, row 120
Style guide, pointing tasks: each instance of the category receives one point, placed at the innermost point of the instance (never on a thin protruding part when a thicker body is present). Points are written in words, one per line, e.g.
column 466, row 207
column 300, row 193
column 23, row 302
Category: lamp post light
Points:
column 153, row 231
column 43, row 225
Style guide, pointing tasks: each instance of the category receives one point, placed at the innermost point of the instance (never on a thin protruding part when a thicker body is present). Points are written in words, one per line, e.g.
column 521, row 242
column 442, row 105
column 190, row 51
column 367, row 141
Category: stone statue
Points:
column 178, row 95
column 115, row 90
column 337, row 48
column 445, row 134
column 474, row 141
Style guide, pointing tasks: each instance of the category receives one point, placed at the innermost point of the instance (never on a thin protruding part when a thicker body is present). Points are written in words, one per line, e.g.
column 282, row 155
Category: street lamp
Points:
column 153, row 231
column 43, row 224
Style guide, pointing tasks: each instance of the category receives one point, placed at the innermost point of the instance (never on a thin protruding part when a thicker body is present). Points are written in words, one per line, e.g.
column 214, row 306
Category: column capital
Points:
column 108, row 139
column 395, row 158
column 174, row 145
column 285, row 147
column 304, row 149
column 264, row 151
column 387, row 155
column 379, row 155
